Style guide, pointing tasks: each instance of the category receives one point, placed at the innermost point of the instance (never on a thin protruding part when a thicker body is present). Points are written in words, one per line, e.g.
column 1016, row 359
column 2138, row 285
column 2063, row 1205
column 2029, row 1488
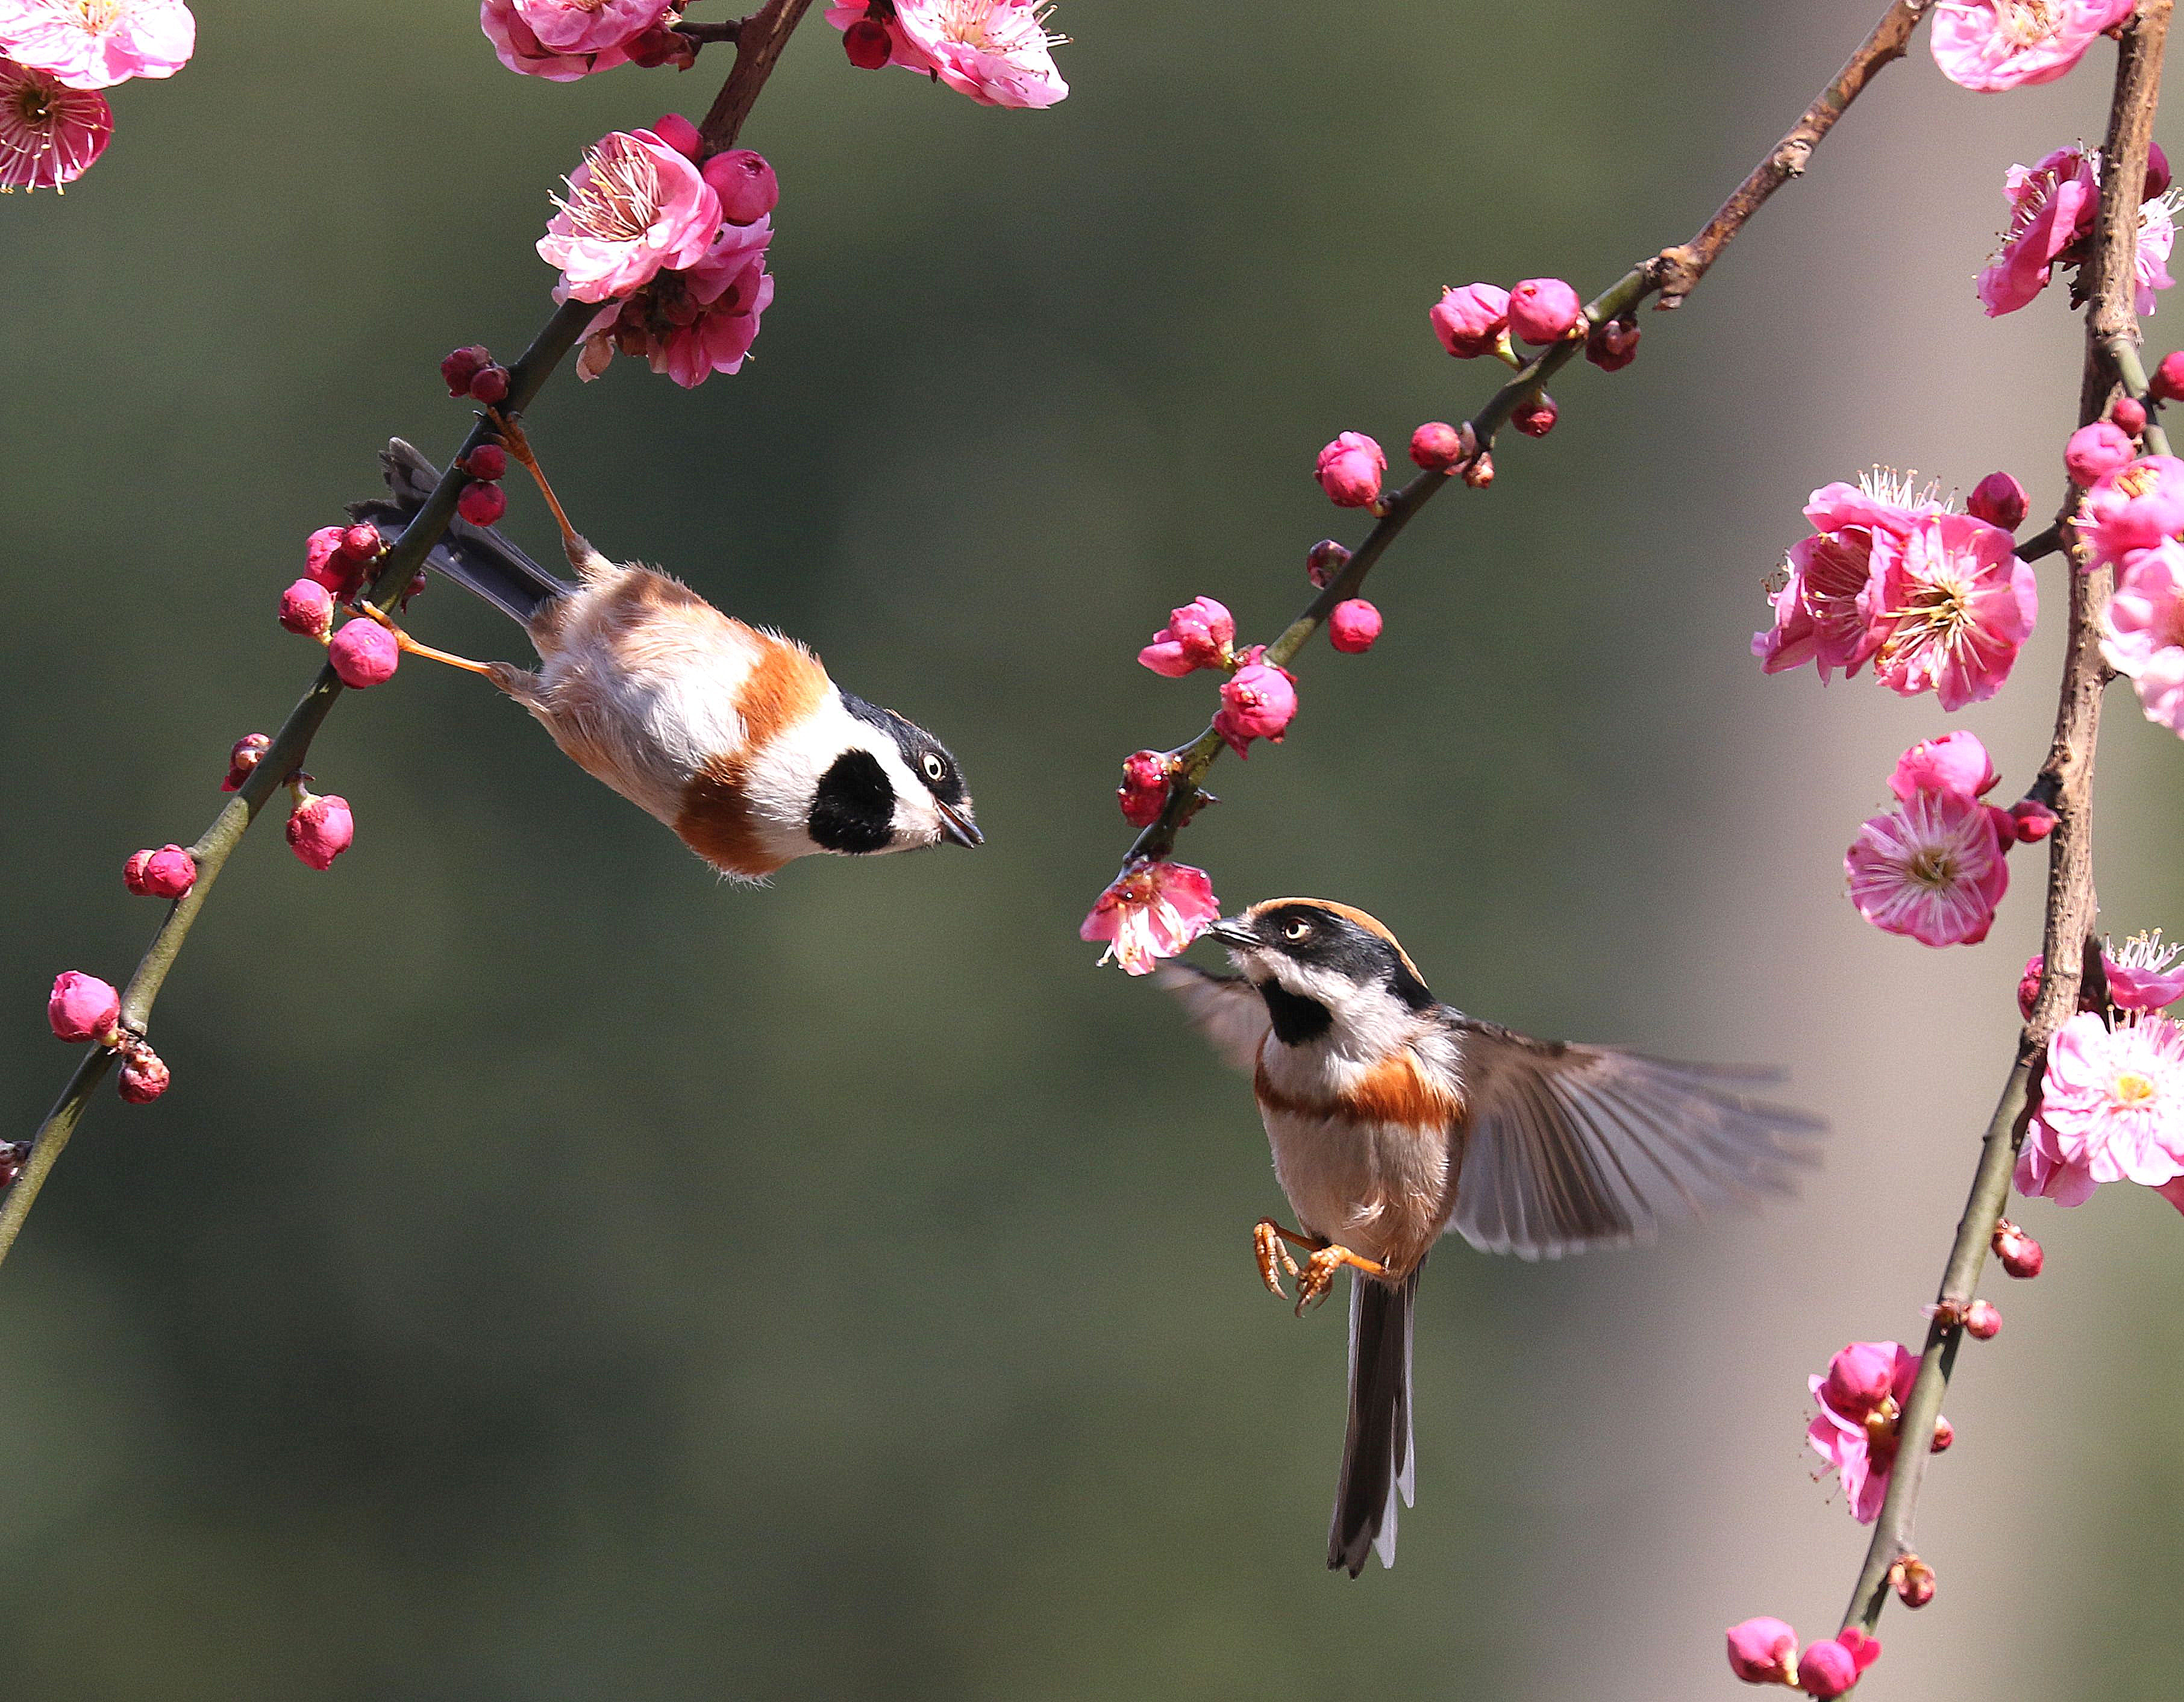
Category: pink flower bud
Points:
column 361, row 542
column 488, row 462
column 1614, row 345
column 1914, row 1580
column 481, row 504
column 1471, row 320
column 745, row 183
column 13, row 1156
column 1826, row 1670
column 867, row 44
column 679, row 134
column 1348, row 471
column 144, row 1078
column 1859, row 1378
column 1144, row 792
column 1535, row 416
column 1543, row 310
column 2000, row 501
column 1437, row 447
column 243, row 757
column 1763, row 1651
column 1479, row 471
column 327, row 563
column 1352, row 626
column 307, row 606
column 1324, row 561
column 2093, row 450
column 2028, row 985
column 1945, row 1435
column 2034, row 820
column 364, row 653
column 166, row 873
column 1982, row 1322
column 1257, row 702
column 1198, row 635
column 82, row 1007
column 320, row 829
column 2019, row 1254
column 2004, row 824
column 2157, row 171
column 461, row 366
column 2129, row 413
column 2168, row 382
column 490, row 385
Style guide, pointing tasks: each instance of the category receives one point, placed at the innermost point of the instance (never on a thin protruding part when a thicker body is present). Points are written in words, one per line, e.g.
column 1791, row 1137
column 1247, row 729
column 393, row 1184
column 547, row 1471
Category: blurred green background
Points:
column 556, row 1275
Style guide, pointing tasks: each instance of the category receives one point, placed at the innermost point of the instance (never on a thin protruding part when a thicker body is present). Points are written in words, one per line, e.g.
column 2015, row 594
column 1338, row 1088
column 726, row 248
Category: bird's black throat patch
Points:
column 853, row 810
column 1296, row 1019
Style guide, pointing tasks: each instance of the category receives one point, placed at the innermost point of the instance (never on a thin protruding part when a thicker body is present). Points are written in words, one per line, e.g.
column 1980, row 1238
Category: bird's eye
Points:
column 935, row 769
column 1295, row 929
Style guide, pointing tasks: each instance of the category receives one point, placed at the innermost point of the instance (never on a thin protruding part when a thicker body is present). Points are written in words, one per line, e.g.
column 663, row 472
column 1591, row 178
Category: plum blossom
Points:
column 517, row 47
column 692, row 323
column 1949, row 610
column 590, row 26
column 1763, row 1651
column 1992, row 45
column 1257, row 702
column 2113, row 1098
column 1349, row 469
column 1471, row 320
column 844, row 14
column 1860, row 1440
column 1830, row 1668
column 49, row 133
column 2052, row 205
column 1822, row 615
column 2142, row 631
column 94, row 44
column 998, row 51
column 1198, row 635
column 2142, row 974
column 1955, row 763
column 1930, row 867
column 635, row 206
column 1151, row 911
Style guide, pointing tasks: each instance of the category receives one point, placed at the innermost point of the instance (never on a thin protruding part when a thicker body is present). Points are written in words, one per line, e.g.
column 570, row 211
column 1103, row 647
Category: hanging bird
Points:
column 734, row 736
column 1395, row 1119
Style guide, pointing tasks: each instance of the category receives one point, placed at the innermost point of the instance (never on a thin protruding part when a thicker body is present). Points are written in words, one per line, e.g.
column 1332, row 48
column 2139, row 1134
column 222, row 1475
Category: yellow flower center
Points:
column 2132, row 1090
column 2028, row 23
column 1934, row 868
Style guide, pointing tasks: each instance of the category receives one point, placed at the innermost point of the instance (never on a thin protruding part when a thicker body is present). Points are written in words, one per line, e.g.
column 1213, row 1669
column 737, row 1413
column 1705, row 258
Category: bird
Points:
column 1395, row 1119
column 732, row 735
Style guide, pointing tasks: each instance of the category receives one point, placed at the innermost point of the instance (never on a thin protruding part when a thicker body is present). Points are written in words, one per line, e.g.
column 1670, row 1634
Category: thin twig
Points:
column 2065, row 783
column 1673, row 273
column 761, row 39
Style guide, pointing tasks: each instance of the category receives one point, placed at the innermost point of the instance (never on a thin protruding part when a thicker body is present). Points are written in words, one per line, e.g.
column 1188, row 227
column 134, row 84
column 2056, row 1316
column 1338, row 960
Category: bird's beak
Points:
column 1232, row 931
column 957, row 828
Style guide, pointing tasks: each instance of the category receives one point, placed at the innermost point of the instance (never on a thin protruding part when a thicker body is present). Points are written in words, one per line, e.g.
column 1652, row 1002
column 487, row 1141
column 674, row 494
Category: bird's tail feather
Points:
column 477, row 558
column 1378, row 1463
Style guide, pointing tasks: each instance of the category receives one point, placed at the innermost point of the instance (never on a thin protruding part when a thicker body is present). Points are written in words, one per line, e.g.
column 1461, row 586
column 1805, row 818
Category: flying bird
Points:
column 1395, row 1118
column 732, row 735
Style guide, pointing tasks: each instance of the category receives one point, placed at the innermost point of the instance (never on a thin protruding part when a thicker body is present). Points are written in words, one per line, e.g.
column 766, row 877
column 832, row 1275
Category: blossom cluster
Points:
column 55, row 58
column 563, row 40
column 1764, row 1651
column 2052, row 204
column 999, row 52
column 671, row 249
column 1932, row 866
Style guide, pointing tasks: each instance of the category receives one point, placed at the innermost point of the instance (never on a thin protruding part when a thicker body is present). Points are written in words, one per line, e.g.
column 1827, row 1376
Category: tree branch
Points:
column 759, row 42
column 1673, row 273
column 2065, row 783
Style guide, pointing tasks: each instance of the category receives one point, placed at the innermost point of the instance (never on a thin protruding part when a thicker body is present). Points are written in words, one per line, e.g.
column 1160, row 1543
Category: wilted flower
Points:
column 1151, row 911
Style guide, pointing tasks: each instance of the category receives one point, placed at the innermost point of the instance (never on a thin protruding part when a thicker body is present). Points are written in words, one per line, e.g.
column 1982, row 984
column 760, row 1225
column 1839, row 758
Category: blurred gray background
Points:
column 556, row 1275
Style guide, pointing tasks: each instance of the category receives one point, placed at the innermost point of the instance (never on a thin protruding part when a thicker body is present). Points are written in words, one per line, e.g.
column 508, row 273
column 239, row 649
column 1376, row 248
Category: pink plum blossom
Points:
column 2135, row 507
column 2052, row 205
column 1470, row 321
column 1544, row 310
column 635, row 206
column 998, row 51
column 320, row 829
column 1257, row 702
column 1950, row 610
column 1151, row 911
column 49, row 134
column 843, row 14
column 1993, row 45
column 1831, row 1668
column 2143, row 973
column 1197, row 636
column 1955, row 763
column 1823, row 614
column 690, row 324
column 1763, row 1651
column 82, row 1007
column 517, row 47
column 2094, row 449
column 94, row 44
column 1348, row 471
column 1860, row 1444
column 2113, row 1098
column 1858, row 1379
column 2000, row 501
column 2042, row 1173
column 590, row 26
column 2142, row 631
column 1930, row 867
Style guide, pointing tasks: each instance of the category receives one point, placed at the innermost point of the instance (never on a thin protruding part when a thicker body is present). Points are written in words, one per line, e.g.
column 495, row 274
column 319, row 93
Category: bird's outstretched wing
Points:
column 1572, row 1147
column 1233, row 1015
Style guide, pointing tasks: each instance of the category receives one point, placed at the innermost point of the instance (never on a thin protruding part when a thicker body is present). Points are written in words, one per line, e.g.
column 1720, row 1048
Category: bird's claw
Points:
column 1274, row 1256
column 1318, row 1276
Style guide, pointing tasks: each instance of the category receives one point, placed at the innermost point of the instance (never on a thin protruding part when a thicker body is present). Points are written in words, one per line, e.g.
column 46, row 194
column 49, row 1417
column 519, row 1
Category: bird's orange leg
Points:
column 519, row 450
column 1319, row 1271
column 1267, row 1239
column 411, row 646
